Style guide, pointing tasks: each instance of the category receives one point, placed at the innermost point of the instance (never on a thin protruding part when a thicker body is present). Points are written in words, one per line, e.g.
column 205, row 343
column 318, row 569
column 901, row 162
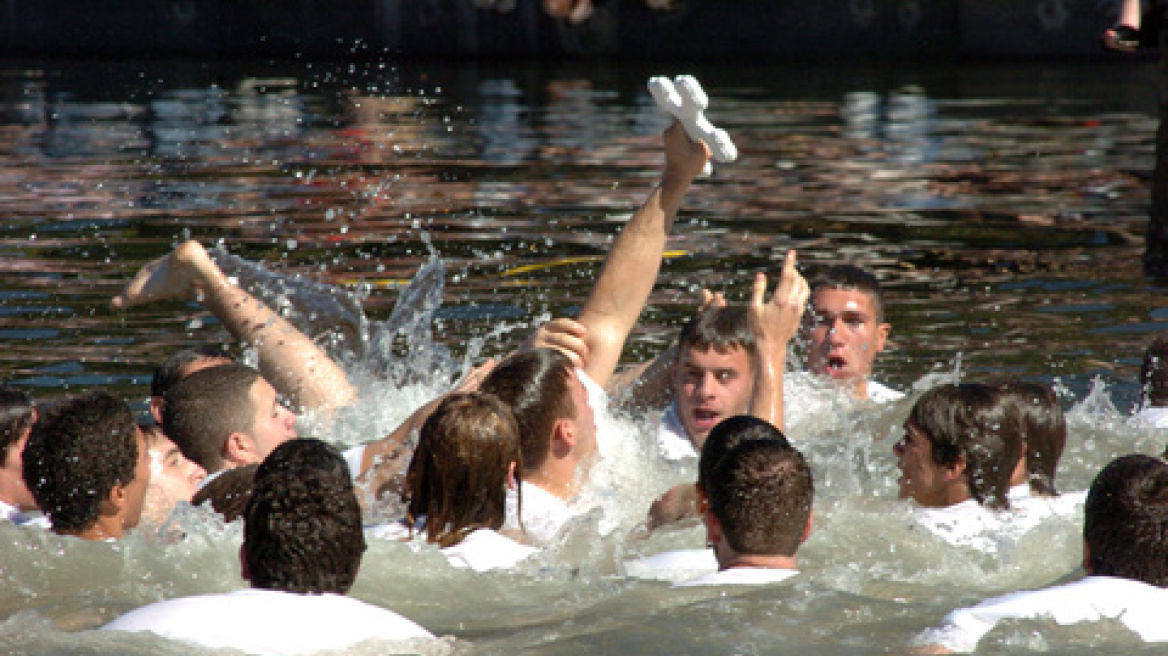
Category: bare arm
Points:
column 289, row 360
column 630, row 270
column 774, row 325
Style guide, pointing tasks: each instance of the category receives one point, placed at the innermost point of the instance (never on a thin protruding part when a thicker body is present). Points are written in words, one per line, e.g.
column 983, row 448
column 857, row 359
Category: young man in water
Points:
column 1125, row 554
column 299, row 578
column 226, row 416
column 756, row 500
column 555, row 405
column 711, row 375
column 87, row 466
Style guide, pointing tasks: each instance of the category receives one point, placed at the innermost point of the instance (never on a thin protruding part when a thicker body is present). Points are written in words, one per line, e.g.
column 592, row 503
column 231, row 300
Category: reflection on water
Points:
column 1002, row 205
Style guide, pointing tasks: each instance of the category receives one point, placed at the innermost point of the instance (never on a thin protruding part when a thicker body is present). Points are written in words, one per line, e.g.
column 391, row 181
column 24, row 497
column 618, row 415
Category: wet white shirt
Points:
column 10, row 513
column 673, row 566
column 544, row 514
column 482, row 550
column 1155, row 417
column 674, row 443
column 740, row 576
column 270, row 622
column 1139, row 606
column 969, row 524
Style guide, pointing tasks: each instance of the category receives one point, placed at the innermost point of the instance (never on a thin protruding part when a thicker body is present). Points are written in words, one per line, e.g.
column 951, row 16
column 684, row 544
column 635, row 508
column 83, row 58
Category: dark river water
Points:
column 1002, row 205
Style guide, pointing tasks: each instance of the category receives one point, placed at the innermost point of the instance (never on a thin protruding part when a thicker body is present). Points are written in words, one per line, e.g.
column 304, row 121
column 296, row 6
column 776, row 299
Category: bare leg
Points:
column 289, row 360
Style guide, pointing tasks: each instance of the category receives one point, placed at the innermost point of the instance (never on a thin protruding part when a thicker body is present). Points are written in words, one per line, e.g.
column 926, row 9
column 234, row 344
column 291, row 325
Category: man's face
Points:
column 844, row 336
column 12, row 476
column 710, row 386
column 273, row 424
column 173, row 477
column 921, row 478
column 135, row 490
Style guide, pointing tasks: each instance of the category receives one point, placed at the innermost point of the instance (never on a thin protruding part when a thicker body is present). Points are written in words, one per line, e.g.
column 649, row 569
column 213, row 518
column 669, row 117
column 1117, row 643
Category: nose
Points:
column 705, row 386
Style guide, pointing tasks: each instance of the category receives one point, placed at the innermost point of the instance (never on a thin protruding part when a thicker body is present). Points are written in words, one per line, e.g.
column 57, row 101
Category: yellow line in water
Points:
column 564, row 261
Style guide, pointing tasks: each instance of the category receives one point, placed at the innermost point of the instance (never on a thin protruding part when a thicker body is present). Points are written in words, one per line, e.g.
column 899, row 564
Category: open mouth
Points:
column 836, row 365
column 705, row 419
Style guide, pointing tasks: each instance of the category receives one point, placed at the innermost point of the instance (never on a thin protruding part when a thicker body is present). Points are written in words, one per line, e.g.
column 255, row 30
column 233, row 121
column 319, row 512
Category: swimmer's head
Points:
column 303, row 483
column 714, row 376
column 467, row 456
column 1125, row 529
column 173, row 477
column 845, row 327
column 960, row 442
column 17, row 415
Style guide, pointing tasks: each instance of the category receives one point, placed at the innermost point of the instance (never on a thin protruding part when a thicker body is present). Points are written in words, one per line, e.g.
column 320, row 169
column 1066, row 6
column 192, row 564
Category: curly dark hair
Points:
column 77, row 452
column 302, row 526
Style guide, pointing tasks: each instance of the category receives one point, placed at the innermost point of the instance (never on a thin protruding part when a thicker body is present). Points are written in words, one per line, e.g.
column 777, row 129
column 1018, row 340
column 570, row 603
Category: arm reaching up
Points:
column 630, row 270
column 774, row 325
column 294, row 365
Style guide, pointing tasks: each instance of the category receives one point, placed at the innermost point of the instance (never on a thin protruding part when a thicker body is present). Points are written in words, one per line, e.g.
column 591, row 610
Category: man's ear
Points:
column 1087, row 558
column 714, row 533
column 512, row 482
column 882, row 333
column 956, row 470
column 156, row 409
column 239, row 449
column 244, row 572
column 563, row 438
column 114, row 500
column 807, row 530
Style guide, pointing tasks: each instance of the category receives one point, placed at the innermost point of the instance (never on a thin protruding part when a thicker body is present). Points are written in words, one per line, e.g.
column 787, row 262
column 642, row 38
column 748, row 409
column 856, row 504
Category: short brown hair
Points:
column 970, row 421
column 1126, row 520
column 761, row 492
column 204, row 409
column 1044, row 428
column 534, row 384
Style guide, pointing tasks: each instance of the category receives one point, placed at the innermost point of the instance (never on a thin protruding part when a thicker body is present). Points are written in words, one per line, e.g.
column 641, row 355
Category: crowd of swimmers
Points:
column 493, row 471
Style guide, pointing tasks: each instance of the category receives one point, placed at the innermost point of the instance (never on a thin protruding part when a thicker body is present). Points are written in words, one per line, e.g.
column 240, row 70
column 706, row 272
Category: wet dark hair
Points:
column 457, row 479
column 1154, row 371
column 229, row 492
column 761, row 492
column 534, row 384
column 16, row 416
column 719, row 328
column 1044, row 428
column 850, row 277
column 729, row 433
column 204, row 409
column 971, row 421
column 302, row 526
column 1126, row 522
column 174, row 367
column 77, row 452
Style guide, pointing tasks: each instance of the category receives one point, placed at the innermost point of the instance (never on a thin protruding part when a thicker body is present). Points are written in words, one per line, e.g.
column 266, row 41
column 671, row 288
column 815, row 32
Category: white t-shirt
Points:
column 674, row 442
column 482, row 550
column 270, row 622
column 544, row 514
column 673, row 566
column 1153, row 416
column 740, row 576
column 1139, row 606
column 966, row 524
column 10, row 513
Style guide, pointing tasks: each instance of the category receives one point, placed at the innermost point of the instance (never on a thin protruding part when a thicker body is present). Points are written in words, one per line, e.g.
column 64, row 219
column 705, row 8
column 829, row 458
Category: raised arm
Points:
column 630, row 270
column 294, row 365
column 774, row 325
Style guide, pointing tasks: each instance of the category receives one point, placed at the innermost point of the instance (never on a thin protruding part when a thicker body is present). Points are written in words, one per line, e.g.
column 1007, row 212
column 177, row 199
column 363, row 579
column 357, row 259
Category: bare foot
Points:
column 176, row 276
